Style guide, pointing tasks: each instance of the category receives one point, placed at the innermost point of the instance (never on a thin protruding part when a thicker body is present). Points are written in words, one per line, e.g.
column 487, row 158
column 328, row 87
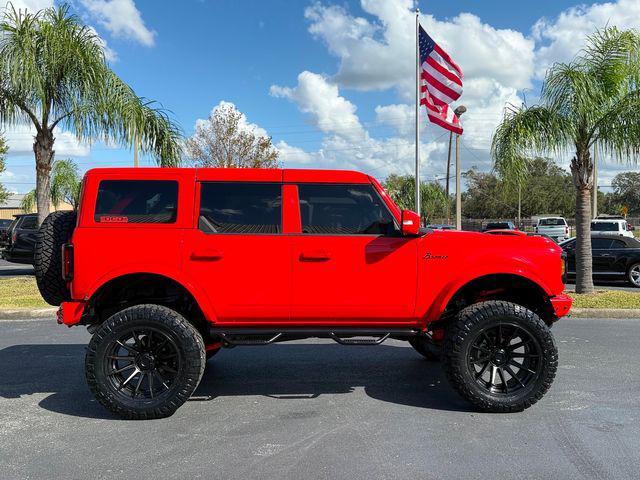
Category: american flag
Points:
column 440, row 83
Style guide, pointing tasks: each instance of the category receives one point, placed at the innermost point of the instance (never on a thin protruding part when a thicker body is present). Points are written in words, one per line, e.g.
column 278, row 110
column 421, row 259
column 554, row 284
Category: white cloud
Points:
column 379, row 55
column 348, row 144
column 121, row 18
column 20, row 140
column 401, row 117
column 562, row 37
column 330, row 112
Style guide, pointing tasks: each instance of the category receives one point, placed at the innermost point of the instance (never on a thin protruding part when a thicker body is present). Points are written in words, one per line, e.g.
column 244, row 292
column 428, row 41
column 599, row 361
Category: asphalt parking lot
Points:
column 314, row 409
column 8, row 269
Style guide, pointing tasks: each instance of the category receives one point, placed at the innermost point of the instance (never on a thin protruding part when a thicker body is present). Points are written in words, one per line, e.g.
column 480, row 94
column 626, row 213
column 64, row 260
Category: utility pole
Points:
column 595, row 179
column 458, row 111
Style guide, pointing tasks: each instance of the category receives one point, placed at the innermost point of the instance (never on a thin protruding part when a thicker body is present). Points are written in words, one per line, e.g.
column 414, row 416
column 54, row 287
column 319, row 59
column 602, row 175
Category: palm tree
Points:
column 594, row 99
column 65, row 186
column 53, row 73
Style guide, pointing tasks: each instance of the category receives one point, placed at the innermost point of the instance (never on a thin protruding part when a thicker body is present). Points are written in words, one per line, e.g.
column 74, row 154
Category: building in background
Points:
column 12, row 206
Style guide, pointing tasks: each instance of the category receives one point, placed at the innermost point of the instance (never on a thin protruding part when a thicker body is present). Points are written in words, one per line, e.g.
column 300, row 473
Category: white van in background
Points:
column 554, row 227
column 611, row 226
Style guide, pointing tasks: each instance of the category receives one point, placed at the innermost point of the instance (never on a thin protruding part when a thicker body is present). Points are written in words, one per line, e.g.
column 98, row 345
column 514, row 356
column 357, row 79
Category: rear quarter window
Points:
column 137, row 201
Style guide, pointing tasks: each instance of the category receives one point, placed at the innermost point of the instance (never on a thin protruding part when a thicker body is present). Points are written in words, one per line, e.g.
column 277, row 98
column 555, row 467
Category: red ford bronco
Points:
column 167, row 266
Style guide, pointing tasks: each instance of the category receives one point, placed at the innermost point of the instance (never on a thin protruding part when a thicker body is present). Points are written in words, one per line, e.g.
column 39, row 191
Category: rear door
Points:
column 350, row 264
column 238, row 253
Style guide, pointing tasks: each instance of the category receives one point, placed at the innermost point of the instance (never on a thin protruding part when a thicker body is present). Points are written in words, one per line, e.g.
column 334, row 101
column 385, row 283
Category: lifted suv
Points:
column 168, row 266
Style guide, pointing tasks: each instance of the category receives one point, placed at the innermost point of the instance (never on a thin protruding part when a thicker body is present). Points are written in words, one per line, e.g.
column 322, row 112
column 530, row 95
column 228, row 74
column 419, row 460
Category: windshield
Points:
column 604, row 226
column 552, row 222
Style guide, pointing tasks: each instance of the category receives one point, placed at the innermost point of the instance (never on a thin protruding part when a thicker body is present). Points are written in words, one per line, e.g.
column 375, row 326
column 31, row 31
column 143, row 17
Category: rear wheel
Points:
column 634, row 275
column 500, row 356
column 144, row 362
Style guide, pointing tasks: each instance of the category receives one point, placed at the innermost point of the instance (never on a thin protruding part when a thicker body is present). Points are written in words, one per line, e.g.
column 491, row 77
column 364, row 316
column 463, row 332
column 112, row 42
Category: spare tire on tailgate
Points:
column 54, row 232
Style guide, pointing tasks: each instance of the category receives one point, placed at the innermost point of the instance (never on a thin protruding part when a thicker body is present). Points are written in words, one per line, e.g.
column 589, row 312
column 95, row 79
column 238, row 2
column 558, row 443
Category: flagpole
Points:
column 417, row 179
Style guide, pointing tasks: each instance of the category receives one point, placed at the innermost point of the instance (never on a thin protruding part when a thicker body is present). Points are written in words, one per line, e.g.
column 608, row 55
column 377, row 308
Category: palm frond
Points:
column 524, row 132
column 53, row 73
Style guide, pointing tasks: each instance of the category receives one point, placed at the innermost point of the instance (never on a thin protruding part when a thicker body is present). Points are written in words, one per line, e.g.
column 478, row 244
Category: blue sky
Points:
column 329, row 81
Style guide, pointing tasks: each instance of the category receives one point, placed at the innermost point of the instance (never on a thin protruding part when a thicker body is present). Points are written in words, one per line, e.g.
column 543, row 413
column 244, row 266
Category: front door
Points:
column 350, row 264
column 238, row 252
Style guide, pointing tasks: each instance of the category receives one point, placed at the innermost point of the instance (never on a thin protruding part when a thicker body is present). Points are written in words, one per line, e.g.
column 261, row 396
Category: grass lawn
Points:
column 607, row 299
column 20, row 292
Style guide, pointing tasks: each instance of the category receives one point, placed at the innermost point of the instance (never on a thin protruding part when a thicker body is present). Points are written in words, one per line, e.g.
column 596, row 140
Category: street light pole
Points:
column 458, row 111
column 446, row 188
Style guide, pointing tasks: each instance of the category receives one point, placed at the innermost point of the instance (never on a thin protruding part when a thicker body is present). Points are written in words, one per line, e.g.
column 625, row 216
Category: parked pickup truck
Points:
column 168, row 266
column 553, row 227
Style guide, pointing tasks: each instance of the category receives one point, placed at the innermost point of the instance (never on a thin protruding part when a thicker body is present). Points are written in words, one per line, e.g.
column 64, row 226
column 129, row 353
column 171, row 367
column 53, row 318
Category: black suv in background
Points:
column 20, row 239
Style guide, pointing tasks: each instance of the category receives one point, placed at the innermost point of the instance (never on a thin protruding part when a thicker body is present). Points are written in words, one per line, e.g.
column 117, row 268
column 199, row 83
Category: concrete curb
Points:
column 620, row 313
column 28, row 313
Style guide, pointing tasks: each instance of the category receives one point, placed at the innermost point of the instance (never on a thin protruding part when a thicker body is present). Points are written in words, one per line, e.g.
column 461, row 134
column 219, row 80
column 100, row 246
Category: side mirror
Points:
column 410, row 223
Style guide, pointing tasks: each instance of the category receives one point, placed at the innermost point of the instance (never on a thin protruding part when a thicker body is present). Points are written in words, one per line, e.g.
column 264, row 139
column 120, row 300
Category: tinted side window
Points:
column 137, row 201
column 600, row 243
column 344, row 209
column 29, row 223
column 618, row 244
column 235, row 207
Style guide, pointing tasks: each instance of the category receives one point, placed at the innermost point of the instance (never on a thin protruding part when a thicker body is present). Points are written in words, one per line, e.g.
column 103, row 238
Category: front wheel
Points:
column 144, row 362
column 634, row 275
column 500, row 356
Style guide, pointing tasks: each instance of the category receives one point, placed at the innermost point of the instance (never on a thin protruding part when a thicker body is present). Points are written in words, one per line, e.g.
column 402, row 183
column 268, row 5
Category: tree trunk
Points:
column 582, row 172
column 43, row 149
column 584, row 267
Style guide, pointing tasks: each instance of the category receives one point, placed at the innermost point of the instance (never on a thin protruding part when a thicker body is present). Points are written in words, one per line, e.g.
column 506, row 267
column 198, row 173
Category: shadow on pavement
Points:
column 394, row 374
column 55, row 369
column 290, row 372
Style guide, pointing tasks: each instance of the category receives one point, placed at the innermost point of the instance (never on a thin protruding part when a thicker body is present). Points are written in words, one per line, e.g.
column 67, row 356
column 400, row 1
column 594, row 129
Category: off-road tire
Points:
column 468, row 325
column 422, row 346
column 54, row 232
column 186, row 337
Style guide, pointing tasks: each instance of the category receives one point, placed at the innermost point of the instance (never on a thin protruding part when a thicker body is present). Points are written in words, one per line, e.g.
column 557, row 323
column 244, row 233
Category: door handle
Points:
column 206, row 255
column 315, row 256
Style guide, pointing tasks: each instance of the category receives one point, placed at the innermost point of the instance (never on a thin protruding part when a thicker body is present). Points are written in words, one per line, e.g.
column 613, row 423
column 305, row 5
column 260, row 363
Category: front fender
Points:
column 481, row 268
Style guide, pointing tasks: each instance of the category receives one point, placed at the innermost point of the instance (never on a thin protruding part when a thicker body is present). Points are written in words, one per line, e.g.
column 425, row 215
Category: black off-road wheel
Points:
column 500, row 356
column 426, row 348
column 54, row 232
column 144, row 362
